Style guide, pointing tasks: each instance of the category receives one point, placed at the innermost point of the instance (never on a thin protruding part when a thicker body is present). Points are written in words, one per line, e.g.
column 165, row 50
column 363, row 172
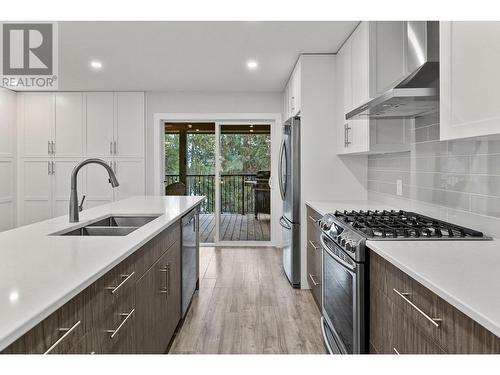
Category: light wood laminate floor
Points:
column 245, row 305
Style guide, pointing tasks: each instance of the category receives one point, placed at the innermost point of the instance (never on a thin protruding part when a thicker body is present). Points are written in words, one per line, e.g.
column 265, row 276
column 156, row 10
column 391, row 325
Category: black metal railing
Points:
column 236, row 193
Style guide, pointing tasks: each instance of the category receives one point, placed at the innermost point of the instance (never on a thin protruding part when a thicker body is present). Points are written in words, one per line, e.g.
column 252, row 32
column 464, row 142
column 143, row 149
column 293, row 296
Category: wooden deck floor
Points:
column 246, row 305
column 236, row 227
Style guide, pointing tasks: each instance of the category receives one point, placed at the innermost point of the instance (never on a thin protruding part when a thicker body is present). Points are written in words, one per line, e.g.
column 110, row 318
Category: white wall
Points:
column 201, row 102
column 8, row 111
column 324, row 175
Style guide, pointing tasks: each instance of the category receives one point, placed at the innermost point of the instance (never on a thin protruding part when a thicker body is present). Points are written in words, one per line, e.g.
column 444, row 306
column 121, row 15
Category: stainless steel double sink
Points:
column 112, row 225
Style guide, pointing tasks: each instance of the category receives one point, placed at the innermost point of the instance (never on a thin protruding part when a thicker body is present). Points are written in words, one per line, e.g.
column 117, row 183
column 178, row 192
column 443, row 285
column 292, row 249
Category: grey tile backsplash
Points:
column 454, row 180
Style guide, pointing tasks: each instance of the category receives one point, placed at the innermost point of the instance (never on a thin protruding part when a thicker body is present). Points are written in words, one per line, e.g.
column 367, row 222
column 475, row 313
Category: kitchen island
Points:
column 62, row 289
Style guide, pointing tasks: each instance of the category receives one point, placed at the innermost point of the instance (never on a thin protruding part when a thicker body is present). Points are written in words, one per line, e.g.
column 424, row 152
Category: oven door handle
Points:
column 325, row 337
column 336, row 257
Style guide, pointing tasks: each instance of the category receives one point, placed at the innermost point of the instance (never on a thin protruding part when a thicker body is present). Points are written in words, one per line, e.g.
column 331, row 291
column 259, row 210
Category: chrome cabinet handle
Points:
column 166, row 270
column 111, row 148
column 312, row 277
column 314, row 245
column 347, row 128
column 66, row 334
column 396, row 351
column 53, row 147
column 48, row 168
column 114, row 289
column 53, row 167
column 115, row 331
column 114, row 147
column 48, row 148
column 434, row 321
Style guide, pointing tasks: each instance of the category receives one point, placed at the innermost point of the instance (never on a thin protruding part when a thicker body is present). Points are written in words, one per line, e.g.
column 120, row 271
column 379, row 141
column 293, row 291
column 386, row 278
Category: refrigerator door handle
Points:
column 280, row 170
column 284, row 224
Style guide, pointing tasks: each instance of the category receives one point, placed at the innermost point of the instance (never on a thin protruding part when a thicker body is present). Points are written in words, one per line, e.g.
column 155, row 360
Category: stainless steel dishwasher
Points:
column 190, row 257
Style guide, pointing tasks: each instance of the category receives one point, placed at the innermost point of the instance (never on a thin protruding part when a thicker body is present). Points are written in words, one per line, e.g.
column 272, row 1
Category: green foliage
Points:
column 245, row 153
column 171, row 153
column 201, row 154
column 241, row 154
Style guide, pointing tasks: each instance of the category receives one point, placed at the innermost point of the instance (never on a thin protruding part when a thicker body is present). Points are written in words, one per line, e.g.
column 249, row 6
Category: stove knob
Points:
column 342, row 242
column 338, row 239
column 349, row 246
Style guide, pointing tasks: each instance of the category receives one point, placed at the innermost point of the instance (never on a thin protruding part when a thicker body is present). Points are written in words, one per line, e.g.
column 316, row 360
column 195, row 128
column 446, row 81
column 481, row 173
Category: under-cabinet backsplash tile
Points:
column 460, row 178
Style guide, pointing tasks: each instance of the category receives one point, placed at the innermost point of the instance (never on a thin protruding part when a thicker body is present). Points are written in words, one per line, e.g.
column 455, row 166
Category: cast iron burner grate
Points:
column 402, row 224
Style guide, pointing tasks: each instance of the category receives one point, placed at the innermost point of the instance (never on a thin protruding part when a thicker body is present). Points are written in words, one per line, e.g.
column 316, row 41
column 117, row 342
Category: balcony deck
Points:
column 236, row 227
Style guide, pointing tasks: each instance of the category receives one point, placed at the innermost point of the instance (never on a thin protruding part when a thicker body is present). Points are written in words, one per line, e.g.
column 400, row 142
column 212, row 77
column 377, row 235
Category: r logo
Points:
column 27, row 49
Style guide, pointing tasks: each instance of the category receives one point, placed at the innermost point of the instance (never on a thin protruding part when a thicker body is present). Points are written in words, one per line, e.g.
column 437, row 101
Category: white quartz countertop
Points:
column 39, row 273
column 466, row 274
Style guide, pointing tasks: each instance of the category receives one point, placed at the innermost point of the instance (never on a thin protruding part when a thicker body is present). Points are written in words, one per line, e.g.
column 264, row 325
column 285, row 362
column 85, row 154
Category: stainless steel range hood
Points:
column 418, row 93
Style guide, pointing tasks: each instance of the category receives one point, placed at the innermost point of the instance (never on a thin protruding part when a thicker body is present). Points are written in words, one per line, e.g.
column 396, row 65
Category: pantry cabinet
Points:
column 44, row 188
column 68, row 125
column 469, row 79
column 36, row 122
column 99, row 109
column 7, row 158
column 367, row 65
column 58, row 130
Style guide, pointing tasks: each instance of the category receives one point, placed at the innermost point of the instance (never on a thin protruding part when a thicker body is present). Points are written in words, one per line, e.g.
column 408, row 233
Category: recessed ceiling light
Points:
column 197, row 130
column 252, row 64
column 96, row 64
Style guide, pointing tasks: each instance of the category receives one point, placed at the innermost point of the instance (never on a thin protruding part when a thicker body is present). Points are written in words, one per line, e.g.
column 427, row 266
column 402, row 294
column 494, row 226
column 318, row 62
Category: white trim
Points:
column 221, row 118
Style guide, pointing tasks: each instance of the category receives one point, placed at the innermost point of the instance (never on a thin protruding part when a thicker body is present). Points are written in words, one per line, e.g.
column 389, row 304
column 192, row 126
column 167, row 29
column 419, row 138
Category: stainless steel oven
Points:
column 343, row 300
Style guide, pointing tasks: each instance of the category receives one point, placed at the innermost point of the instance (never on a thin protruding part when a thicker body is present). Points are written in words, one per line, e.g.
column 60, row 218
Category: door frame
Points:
column 274, row 119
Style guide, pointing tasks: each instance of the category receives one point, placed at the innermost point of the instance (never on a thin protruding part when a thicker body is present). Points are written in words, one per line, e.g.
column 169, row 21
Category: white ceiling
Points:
column 189, row 56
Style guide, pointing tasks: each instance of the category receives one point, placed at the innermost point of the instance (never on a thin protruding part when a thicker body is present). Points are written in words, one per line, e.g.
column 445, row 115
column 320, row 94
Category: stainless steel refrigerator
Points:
column 289, row 183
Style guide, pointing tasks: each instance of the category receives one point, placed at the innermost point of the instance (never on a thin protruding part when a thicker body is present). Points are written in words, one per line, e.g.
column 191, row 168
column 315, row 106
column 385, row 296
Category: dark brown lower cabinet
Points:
column 314, row 266
column 134, row 308
column 407, row 318
column 158, row 303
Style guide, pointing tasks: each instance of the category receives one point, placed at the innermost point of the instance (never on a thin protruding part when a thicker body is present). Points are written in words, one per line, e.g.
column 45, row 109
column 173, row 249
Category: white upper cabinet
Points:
column 371, row 61
column 129, row 135
column 292, row 94
column 360, row 65
column 99, row 123
column 68, row 140
column 36, row 124
column 469, row 79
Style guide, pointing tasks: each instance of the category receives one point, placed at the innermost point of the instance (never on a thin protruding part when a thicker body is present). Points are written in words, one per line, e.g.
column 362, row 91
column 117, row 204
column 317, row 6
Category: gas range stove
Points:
column 350, row 229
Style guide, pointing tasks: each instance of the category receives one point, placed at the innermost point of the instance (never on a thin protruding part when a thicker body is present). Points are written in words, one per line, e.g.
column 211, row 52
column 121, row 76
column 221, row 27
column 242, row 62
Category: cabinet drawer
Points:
column 408, row 339
column 154, row 249
column 393, row 332
column 113, row 302
column 59, row 332
column 435, row 318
